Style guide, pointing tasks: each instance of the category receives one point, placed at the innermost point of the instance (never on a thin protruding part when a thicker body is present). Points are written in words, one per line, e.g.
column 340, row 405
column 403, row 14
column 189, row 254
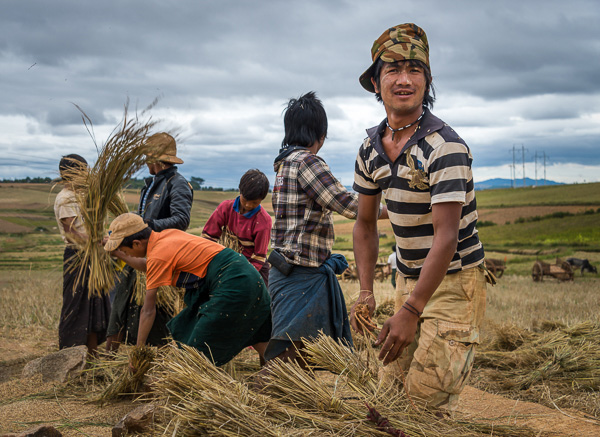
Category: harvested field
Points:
column 502, row 215
column 7, row 227
column 28, row 329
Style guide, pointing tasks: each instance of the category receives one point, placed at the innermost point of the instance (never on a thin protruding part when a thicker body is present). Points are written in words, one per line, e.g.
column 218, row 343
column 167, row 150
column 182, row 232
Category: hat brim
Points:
column 113, row 244
column 365, row 78
column 166, row 158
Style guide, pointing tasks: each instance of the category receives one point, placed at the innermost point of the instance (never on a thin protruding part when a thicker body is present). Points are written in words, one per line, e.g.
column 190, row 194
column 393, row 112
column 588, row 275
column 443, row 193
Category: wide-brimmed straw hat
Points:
column 123, row 226
column 399, row 43
column 166, row 144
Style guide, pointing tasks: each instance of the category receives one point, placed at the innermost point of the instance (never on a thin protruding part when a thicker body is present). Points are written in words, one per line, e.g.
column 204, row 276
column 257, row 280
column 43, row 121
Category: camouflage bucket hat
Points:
column 399, row 43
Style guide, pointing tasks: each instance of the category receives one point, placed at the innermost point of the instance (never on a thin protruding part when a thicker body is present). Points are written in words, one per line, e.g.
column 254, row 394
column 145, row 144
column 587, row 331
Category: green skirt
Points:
column 229, row 311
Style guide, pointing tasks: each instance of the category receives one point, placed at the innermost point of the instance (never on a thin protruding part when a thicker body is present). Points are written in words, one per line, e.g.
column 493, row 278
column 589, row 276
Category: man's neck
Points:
column 393, row 140
column 398, row 120
column 163, row 171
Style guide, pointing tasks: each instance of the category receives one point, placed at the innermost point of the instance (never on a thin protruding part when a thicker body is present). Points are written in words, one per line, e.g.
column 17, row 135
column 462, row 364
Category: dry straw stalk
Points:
column 202, row 399
column 125, row 382
column 98, row 192
column 168, row 297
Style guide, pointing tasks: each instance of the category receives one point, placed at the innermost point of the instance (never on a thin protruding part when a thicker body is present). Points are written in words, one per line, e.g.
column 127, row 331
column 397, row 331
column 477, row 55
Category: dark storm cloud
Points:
column 494, row 64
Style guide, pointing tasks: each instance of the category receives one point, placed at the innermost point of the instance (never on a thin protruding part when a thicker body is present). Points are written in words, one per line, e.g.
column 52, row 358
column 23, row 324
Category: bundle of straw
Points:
column 201, row 399
column 126, row 382
column 168, row 297
column 230, row 240
column 555, row 365
column 99, row 193
column 570, row 354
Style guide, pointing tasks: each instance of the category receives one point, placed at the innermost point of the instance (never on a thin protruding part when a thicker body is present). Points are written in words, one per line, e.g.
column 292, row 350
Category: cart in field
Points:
column 495, row 266
column 560, row 270
column 381, row 272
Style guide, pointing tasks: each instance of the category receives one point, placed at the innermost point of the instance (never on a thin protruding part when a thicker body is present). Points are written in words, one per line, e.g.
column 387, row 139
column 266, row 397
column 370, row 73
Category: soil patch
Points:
column 73, row 416
column 12, row 228
column 476, row 404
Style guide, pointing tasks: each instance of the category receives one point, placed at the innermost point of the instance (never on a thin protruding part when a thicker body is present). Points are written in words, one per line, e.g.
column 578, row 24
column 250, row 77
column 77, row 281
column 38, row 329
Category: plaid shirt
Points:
column 304, row 196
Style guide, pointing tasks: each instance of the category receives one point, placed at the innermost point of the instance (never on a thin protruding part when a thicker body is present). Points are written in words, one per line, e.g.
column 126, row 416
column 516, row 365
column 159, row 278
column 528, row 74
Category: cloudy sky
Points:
column 519, row 75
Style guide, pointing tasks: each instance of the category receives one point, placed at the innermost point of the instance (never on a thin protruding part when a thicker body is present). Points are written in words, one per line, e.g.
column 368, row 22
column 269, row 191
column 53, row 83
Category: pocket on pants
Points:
column 449, row 357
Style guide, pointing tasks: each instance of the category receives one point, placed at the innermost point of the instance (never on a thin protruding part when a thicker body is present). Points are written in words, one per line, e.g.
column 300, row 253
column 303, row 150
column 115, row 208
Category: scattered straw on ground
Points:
column 556, row 365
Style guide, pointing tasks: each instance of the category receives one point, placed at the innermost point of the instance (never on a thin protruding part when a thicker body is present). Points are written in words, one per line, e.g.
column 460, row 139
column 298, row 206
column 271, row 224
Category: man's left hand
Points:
column 397, row 333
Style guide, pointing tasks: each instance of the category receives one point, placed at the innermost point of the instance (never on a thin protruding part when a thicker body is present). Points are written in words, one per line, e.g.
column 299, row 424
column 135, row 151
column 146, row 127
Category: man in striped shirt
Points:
column 423, row 169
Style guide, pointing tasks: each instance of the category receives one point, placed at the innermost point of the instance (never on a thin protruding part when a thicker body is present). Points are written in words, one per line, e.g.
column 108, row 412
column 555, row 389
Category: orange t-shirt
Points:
column 172, row 251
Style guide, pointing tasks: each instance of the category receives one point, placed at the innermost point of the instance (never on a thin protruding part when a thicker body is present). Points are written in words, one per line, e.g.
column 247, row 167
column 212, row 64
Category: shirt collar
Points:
column 249, row 214
column 429, row 123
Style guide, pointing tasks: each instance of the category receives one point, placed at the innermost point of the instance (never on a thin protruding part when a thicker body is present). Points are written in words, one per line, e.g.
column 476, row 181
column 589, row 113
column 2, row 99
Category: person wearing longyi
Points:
column 165, row 203
column 227, row 304
column 305, row 293
column 83, row 318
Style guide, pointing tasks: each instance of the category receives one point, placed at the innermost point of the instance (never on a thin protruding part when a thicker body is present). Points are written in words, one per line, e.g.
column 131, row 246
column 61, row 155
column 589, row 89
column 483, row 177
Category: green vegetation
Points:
column 528, row 236
column 570, row 232
column 577, row 194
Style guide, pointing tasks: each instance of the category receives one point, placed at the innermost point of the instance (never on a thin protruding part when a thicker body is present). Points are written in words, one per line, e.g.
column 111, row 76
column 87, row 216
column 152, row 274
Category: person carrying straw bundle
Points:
column 83, row 317
column 423, row 169
column 246, row 221
column 227, row 304
column 165, row 203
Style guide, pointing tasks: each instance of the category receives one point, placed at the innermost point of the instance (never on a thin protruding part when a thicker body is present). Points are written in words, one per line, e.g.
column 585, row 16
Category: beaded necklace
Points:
column 402, row 128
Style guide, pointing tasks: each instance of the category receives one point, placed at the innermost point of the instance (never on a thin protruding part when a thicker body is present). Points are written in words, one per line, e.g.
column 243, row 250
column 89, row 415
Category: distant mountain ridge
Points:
column 490, row 184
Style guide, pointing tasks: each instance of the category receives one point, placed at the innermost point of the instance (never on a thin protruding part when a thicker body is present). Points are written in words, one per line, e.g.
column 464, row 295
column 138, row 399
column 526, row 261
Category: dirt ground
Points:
column 477, row 404
column 27, row 402
column 12, row 228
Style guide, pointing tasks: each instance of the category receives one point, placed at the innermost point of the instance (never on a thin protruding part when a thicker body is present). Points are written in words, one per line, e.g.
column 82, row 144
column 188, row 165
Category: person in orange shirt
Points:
column 227, row 303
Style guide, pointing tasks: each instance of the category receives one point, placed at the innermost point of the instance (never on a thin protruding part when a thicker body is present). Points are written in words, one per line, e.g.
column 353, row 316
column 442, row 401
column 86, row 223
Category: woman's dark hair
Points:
column 305, row 121
column 429, row 97
column 144, row 234
column 69, row 163
column 254, row 185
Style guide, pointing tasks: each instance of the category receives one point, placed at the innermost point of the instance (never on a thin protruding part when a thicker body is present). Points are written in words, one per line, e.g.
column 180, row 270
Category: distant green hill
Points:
column 523, row 224
column 575, row 194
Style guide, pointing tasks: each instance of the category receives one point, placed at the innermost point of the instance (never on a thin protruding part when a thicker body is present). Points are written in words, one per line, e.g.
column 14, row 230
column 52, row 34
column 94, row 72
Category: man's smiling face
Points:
column 402, row 86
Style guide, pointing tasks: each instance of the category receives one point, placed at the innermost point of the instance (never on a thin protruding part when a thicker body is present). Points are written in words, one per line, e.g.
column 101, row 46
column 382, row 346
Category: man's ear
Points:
column 375, row 85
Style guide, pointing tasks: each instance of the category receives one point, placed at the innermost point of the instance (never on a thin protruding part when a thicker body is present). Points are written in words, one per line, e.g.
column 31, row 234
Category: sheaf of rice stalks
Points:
column 168, row 297
column 98, row 191
column 124, row 382
column 201, row 399
column 230, row 240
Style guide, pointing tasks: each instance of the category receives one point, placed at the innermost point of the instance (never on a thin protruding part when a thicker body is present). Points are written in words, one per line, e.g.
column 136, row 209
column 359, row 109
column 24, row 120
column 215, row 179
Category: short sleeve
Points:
column 363, row 181
column 449, row 173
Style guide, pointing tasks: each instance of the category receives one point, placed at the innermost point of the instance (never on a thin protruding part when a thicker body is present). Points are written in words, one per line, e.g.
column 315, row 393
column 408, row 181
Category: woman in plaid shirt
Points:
column 305, row 295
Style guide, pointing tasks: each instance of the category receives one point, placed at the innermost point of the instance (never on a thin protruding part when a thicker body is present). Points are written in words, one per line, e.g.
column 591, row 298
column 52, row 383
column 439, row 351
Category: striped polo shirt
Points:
column 434, row 167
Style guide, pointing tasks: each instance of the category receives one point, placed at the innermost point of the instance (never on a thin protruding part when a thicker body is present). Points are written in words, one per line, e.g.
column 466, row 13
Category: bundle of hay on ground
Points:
column 557, row 365
column 99, row 192
column 111, row 375
column 384, row 311
column 201, row 399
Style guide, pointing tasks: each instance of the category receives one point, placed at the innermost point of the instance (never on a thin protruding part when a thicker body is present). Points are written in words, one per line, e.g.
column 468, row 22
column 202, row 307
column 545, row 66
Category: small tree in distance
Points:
column 196, row 183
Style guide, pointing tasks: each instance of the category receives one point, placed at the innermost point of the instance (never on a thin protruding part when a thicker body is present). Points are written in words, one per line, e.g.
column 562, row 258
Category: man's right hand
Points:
column 396, row 334
column 365, row 298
